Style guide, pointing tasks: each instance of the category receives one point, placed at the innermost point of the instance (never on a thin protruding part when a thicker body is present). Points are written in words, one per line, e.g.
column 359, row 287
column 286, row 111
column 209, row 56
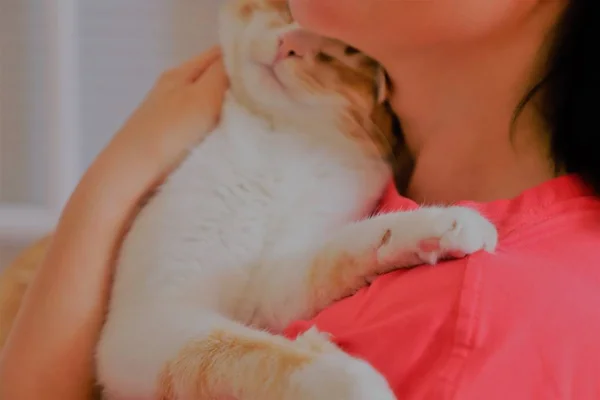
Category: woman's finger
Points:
column 214, row 78
column 208, row 94
column 192, row 69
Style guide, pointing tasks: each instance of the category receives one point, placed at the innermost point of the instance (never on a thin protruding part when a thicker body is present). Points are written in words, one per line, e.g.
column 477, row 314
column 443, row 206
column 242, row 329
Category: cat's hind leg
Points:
column 241, row 363
column 193, row 355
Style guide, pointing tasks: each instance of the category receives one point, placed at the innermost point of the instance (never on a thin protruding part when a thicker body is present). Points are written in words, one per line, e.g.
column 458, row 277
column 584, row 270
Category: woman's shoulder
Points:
column 528, row 316
column 519, row 323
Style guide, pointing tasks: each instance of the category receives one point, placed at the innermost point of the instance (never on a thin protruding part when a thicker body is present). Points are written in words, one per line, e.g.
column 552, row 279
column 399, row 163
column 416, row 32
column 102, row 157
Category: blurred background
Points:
column 71, row 71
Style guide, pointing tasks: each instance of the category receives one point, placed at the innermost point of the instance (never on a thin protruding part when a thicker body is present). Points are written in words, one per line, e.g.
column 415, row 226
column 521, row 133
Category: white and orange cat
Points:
column 264, row 223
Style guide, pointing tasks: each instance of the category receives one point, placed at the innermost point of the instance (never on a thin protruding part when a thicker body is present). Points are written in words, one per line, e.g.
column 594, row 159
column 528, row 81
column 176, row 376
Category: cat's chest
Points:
column 265, row 167
column 250, row 186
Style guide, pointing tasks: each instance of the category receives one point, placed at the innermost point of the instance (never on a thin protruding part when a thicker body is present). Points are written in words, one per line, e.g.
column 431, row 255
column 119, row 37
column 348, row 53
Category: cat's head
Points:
column 283, row 72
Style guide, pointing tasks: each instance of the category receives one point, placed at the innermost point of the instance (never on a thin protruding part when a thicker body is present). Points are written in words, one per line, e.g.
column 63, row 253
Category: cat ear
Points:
column 382, row 85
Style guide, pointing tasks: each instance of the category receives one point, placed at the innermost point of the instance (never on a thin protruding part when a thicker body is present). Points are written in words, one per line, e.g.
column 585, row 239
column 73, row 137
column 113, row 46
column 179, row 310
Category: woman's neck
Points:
column 456, row 108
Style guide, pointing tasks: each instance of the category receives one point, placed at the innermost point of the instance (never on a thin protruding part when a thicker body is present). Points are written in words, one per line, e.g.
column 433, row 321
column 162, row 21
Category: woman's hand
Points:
column 49, row 353
column 182, row 108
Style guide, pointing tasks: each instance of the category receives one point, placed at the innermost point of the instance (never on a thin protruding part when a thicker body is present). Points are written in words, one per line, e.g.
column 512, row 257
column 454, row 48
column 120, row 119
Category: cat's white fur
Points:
column 232, row 239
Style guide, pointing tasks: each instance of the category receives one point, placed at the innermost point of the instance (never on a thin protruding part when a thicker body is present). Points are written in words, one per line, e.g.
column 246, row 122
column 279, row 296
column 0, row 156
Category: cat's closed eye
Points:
column 349, row 50
column 323, row 57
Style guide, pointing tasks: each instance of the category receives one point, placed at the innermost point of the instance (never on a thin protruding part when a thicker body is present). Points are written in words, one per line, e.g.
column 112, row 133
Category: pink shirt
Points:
column 523, row 323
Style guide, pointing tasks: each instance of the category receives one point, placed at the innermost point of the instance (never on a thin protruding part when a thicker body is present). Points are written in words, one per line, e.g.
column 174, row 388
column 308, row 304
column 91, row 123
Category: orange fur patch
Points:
column 280, row 6
column 371, row 122
column 334, row 274
column 244, row 9
column 206, row 368
column 337, row 273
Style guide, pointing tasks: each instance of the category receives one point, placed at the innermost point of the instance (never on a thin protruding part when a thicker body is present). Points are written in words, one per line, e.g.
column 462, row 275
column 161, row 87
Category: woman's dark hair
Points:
column 568, row 91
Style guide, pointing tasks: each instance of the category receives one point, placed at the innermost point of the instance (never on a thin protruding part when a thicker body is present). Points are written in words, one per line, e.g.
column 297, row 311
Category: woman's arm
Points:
column 57, row 328
column 50, row 351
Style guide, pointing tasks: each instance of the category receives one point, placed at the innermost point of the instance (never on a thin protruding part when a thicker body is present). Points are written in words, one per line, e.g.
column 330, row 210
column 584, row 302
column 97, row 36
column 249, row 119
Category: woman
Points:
column 495, row 100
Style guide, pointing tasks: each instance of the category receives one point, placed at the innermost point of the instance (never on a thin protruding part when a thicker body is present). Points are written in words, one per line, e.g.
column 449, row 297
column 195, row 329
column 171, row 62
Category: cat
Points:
column 264, row 223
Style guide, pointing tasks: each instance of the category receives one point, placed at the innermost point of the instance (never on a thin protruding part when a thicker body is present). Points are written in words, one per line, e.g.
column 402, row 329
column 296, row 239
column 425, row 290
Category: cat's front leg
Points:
column 365, row 249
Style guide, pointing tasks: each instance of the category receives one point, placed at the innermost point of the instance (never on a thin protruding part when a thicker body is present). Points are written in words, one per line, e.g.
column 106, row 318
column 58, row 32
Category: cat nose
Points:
column 296, row 43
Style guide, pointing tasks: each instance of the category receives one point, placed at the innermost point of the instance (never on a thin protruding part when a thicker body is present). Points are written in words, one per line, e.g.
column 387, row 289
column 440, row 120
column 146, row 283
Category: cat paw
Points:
column 437, row 233
column 338, row 376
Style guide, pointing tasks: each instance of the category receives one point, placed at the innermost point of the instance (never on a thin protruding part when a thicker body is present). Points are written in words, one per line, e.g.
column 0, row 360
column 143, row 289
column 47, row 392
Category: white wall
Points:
column 121, row 47
column 124, row 46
